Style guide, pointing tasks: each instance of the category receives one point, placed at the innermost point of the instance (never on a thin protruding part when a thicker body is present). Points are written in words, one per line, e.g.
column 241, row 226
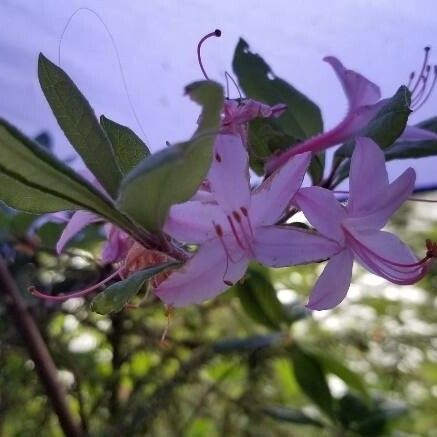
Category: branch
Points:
column 38, row 351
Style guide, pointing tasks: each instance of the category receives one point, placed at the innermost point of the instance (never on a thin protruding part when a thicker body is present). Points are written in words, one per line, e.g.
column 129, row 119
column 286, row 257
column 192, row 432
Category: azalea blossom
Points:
column 239, row 226
column 364, row 99
column 356, row 226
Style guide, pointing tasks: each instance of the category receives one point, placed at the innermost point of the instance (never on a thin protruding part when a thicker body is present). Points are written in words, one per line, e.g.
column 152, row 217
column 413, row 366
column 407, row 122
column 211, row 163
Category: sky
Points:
column 156, row 42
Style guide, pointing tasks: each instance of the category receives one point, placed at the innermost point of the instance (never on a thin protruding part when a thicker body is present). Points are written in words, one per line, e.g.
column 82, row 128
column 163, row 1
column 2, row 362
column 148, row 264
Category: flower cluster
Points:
column 231, row 220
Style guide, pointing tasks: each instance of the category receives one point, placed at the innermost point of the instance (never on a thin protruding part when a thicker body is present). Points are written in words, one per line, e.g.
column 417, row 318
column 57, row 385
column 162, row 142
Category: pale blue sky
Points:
column 157, row 40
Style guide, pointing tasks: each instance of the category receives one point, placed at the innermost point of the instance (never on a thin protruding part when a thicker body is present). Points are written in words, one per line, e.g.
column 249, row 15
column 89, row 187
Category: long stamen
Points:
column 80, row 293
column 227, row 75
column 431, row 253
column 425, row 63
column 430, row 90
column 415, row 100
column 216, row 33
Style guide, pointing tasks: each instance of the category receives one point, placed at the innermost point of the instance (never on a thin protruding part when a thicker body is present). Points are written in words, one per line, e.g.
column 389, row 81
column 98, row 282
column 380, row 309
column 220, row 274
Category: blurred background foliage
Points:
column 253, row 362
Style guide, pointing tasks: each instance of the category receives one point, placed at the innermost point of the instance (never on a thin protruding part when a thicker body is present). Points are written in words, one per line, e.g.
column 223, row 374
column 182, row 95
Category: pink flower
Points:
column 238, row 226
column 364, row 98
column 356, row 226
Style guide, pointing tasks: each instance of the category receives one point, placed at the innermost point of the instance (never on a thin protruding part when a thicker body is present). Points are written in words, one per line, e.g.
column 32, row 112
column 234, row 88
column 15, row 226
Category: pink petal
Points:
column 280, row 246
column 273, row 196
column 363, row 97
column 202, row 277
column 79, row 220
column 387, row 203
column 359, row 90
column 332, row 286
column 368, row 178
column 322, row 210
column 413, row 133
column 117, row 244
column 229, row 173
column 194, row 222
column 384, row 254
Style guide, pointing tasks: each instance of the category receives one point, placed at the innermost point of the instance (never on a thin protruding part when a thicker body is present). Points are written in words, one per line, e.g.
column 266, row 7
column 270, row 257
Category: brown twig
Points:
column 38, row 351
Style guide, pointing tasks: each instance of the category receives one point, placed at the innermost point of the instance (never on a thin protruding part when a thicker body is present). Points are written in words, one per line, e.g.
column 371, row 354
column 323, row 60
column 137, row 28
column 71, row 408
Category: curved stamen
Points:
column 422, row 70
column 216, row 33
column 389, row 275
column 430, row 90
column 410, row 266
column 227, row 75
column 80, row 293
column 424, row 79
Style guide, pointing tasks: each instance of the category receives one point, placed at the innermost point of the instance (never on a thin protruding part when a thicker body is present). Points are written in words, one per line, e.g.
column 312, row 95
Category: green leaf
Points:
column 367, row 420
column 79, row 123
column 302, row 119
column 292, row 415
column 128, row 148
column 33, row 180
column 384, row 129
column 414, row 149
column 387, row 125
column 174, row 174
column 258, row 298
column 117, row 295
column 317, row 167
column 265, row 138
column 335, row 367
column 311, row 378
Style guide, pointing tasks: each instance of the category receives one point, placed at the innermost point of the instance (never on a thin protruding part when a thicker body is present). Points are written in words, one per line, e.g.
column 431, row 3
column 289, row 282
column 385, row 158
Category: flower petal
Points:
column 229, row 173
column 386, row 204
column 79, row 220
column 332, row 286
column 384, row 254
column 274, row 195
column 202, row 277
column 363, row 97
column 117, row 244
column 322, row 210
column 414, row 133
column 280, row 246
column 359, row 90
column 194, row 222
column 368, row 178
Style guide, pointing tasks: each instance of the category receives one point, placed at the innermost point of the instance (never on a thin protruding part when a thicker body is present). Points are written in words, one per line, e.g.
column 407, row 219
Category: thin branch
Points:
column 38, row 351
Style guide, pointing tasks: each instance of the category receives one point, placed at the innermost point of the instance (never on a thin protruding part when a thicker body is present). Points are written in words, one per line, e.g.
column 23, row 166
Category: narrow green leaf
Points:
column 317, row 167
column 33, row 180
column 303, row 118
column 117, row 295
column 79, row 123
column 128, row 148
column 292, row 415
column 414, row 149
column 174, row 174
column 20, row 196
column 258, row 298
column 311, row 378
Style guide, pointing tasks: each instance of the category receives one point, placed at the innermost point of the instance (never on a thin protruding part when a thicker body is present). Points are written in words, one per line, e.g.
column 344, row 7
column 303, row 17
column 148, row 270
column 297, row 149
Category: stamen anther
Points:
column 216, row 33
